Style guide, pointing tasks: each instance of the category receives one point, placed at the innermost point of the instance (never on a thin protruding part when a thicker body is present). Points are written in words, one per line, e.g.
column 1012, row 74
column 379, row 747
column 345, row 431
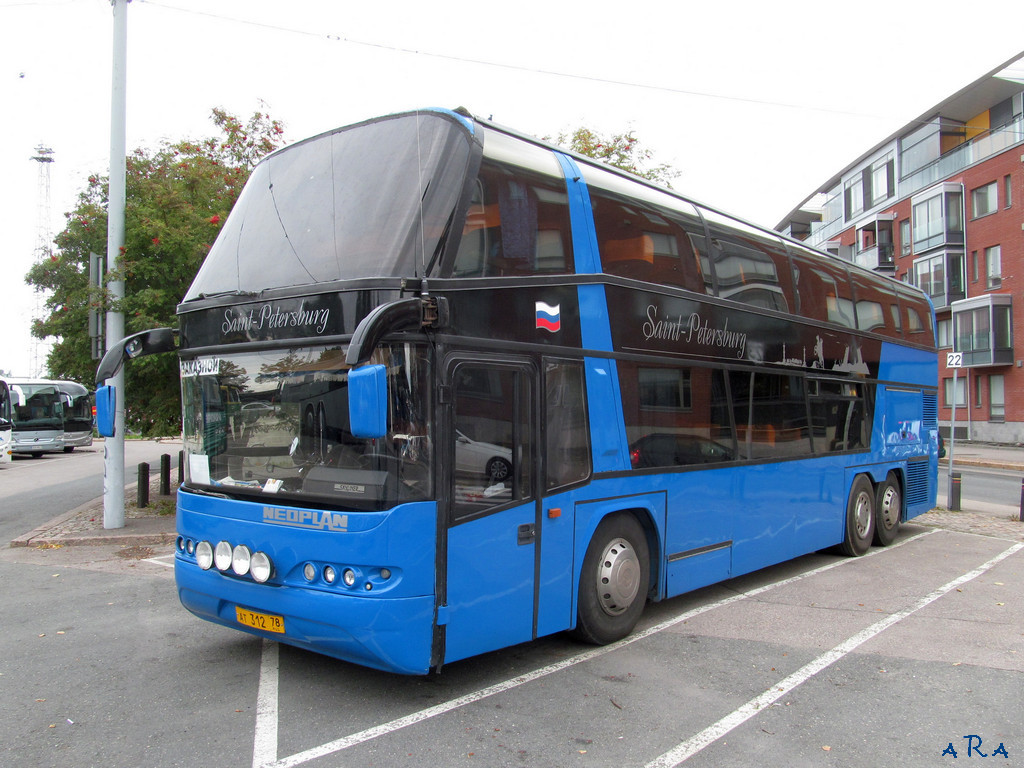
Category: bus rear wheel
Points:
column 860, row 518
column 614, row 581
column 888, row 510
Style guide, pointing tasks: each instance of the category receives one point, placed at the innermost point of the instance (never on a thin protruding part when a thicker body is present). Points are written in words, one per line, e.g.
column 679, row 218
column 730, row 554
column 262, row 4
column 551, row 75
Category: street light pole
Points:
column 113, row 451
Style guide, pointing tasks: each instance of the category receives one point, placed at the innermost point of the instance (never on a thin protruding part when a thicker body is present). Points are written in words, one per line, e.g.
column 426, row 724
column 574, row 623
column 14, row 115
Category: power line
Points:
column 512, row 67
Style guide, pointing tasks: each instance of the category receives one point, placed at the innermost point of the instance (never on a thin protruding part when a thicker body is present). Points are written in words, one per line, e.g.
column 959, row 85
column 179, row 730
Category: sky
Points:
column 755, row 104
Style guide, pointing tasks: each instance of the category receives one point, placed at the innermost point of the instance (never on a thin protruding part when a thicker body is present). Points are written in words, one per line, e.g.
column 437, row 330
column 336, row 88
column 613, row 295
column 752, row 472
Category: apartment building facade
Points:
column 940, row 204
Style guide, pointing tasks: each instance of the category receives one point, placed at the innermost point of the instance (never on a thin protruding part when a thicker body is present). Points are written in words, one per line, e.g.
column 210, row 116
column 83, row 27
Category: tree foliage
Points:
column 621, row 150
column 177, row 198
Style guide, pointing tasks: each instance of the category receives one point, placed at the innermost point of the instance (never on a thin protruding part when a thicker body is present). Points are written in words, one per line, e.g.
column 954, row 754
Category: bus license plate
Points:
column 265, row 621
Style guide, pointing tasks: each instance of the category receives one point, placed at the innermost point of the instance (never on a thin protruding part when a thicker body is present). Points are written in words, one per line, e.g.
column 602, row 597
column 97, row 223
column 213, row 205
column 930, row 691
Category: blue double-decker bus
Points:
column 448, row 388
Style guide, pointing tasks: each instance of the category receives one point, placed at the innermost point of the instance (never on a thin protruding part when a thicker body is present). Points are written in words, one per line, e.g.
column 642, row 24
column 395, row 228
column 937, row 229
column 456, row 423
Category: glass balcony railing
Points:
column 875, row 257
column 957, row 159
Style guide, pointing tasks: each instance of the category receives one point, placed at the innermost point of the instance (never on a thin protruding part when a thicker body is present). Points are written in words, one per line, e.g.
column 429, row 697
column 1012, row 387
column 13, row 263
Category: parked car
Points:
column 477, row 458
column 666, row 449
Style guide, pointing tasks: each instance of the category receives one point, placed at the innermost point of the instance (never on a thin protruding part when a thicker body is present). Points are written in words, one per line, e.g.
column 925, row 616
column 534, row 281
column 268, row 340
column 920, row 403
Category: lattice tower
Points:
column 44, row 250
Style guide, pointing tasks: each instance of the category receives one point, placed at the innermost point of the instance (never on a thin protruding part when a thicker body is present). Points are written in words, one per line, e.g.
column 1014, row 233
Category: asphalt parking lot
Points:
column 896, row 658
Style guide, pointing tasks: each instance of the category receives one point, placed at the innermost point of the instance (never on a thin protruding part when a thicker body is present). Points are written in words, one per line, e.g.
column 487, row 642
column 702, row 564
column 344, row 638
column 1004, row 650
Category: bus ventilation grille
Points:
column 917, row 483
column 930, row 409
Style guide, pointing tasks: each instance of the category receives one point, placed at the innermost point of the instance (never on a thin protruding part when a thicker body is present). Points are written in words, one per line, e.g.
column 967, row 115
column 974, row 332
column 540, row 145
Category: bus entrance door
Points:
column 492, row 533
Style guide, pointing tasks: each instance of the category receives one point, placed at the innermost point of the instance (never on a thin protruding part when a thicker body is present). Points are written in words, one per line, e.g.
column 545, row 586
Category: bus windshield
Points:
column 373, row 202
column 276, row 423
column 36, row 407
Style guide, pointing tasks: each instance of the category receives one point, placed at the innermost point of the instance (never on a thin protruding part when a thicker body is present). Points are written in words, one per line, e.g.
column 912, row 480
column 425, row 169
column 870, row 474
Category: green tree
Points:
column 621, row 150
column 177, row 199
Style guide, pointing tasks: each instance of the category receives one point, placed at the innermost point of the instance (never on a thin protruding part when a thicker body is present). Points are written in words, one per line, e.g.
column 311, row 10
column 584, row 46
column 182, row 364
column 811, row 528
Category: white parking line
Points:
column 264, row 750
column 711, row 734
column 160, row 560
column 267, row 724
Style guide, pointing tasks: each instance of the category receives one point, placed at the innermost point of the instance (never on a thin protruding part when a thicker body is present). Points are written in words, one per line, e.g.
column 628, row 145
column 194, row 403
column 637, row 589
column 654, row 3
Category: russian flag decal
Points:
column 548, row 317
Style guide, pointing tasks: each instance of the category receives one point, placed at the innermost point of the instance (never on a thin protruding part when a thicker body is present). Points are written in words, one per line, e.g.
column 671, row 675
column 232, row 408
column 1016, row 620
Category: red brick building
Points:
column 940, row 204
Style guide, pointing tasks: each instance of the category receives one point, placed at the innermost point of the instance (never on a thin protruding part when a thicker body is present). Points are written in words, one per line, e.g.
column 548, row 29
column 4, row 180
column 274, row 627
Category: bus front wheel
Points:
column 860, row 518
column 888, row 509
column 614, row 581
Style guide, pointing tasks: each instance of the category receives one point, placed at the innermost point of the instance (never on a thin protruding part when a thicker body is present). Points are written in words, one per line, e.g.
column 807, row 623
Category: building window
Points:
column 883, row 180
column 996, row 398
column 994, row 266
column 937, row 220
column 905, row 242
column 984, row 329
column 961, row 392
column 1007, row 191
column 974, row 266
column 984, row 200
column 941, row 276
column 853, row 197
column 945, row 331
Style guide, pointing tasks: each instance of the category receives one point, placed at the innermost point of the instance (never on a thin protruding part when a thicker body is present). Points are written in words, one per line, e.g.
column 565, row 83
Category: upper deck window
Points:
column 646, row 234
column 823, row 288
column 750, row 266
column 518, row 217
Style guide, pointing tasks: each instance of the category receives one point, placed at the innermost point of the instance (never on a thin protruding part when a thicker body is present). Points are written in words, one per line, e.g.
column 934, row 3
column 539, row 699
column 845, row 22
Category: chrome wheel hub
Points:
column 618, row 577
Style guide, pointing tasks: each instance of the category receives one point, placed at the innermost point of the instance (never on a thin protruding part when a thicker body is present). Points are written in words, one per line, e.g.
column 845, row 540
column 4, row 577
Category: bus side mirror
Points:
column 367, row 401
column 138, row 344
column 106, row 400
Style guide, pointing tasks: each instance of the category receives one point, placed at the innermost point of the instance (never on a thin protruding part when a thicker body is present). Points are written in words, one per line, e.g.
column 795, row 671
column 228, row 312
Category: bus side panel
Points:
column 727, row 522
column 699, row 532
column 387, row 625
column 907, row 425
column 909, row 365
column 785, row 510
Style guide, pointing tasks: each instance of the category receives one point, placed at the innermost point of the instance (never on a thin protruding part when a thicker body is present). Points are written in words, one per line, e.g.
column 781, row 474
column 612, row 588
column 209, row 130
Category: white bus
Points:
column 37, row 414
column 6, row 427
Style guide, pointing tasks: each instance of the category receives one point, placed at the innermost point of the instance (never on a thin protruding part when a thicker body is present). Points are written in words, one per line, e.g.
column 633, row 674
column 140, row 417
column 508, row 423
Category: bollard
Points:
column 181, row 467
column 143, row 486
column 1022, row 500
column 954, row 487
column 165, row 474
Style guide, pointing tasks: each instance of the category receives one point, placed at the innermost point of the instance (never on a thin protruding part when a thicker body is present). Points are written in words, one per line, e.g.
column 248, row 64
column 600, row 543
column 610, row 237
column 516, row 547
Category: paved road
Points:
column 883, row 660
column 33, row 491
column 891, row 659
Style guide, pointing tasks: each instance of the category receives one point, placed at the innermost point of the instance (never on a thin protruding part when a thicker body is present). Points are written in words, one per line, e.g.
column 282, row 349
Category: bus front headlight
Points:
column 240, row 557
column 260, row 567
column 204, row 555
column 222, row 555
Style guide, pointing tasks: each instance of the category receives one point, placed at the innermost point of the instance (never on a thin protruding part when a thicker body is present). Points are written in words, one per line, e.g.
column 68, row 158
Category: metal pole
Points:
column 952, row 442
column 113, row 450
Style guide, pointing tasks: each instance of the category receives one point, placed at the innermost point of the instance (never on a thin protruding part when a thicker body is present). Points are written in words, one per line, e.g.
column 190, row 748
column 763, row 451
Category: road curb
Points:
column 145, row 530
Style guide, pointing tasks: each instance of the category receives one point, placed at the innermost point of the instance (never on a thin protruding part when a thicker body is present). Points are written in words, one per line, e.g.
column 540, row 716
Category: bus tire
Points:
column 888, row 510
column 614, row 581
column 860, row 518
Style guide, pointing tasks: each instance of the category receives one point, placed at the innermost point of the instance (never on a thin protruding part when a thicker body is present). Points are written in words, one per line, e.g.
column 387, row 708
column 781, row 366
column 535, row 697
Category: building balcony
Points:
column 983, row 330
column 954, row 161
column 876, row 257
